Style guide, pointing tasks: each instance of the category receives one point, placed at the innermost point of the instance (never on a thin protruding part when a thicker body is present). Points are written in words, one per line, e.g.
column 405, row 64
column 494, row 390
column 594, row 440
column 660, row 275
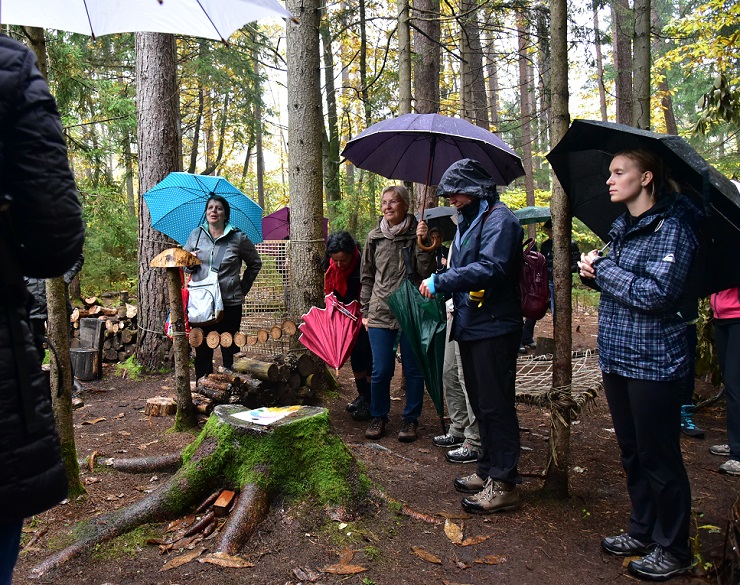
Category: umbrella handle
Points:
column 436, row 241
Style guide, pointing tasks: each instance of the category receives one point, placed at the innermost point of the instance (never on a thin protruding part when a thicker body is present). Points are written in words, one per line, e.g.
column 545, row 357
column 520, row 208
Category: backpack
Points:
column 534, row 290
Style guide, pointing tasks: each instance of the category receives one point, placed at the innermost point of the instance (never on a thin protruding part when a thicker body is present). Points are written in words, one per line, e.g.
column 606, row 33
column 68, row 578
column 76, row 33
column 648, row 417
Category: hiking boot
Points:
column 625, row 545
column 496, row 496
column 407, row 434
column 469, row 484
column 462, row 454
column 376, row 429
column 721, row 450
column 659, row 565
column 730, row 467
column 522, row 349
column 362, row 412
column 448, row 440
column 688, row 427
column 355, row 404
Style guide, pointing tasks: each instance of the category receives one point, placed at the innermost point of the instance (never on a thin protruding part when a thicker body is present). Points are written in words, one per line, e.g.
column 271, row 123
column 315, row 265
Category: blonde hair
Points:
column 648, row 160
column 400, row 191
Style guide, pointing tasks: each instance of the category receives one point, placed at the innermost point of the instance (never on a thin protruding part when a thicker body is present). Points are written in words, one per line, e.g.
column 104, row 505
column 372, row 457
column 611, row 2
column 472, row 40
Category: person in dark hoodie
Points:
column 41, row 235
column 644, row 356
column 487, row 325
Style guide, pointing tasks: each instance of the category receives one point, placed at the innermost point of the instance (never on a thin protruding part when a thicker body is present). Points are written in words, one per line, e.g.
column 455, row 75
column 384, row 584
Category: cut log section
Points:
column 276, row 332
column 240, row 339
column 263, row 335
column 289, row 327
column 251, row 339
column 226, row 339
column 196, row 337
column 213, row 339
column 160, row 406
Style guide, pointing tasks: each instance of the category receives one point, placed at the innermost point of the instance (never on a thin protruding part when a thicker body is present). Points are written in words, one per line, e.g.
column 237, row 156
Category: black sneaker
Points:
column 625, row 545
column 659, row 565
column 362, row 412
column 462, row 454
column 688, row 427
column 355, row 404
column 447, row 441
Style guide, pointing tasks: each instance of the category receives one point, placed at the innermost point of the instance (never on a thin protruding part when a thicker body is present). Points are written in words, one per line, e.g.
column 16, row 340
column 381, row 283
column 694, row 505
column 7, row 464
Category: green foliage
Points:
column 110, row 241
column 126, row 546
column 130, row 368
column 707, row 365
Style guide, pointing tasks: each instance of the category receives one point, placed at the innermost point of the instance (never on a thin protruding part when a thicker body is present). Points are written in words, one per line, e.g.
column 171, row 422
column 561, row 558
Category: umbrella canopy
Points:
column 331, row 333
column 423, row 322
column 276, row 226
column 581, row 162
column 211, row 19
column 178, row 202
column 532, row 214
column 443, row 219
column 420, row 148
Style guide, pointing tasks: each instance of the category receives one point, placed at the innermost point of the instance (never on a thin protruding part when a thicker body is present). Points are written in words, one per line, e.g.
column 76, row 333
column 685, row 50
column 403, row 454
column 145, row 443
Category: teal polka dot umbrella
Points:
column 177, row 205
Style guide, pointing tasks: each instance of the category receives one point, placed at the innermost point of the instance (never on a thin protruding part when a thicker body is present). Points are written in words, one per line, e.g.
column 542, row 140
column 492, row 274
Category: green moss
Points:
column 301, row 459
column 128, row 545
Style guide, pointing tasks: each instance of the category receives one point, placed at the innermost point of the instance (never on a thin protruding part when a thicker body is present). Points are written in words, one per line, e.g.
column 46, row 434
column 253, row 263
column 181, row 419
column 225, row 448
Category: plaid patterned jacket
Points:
column 642, row 334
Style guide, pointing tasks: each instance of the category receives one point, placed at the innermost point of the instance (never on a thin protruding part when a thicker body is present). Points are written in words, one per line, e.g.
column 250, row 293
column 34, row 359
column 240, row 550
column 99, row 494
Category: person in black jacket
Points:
column 487, row 325
column 342, row 277
column 41, row 235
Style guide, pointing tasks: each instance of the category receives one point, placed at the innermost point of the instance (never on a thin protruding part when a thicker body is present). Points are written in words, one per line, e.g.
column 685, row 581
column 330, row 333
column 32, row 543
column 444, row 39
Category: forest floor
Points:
column 545, row 542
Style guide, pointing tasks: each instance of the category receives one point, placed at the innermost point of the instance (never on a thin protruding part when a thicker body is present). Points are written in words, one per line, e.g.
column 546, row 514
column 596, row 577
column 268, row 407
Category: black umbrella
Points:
column 443, row 219
column 581, row 162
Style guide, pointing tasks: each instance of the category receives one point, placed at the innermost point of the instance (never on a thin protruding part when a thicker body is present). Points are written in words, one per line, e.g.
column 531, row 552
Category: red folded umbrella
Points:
column 331, row 333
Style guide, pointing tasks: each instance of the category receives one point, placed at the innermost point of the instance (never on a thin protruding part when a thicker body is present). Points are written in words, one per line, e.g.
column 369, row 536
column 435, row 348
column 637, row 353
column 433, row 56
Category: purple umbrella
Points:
column 420, row 148
column 276, row 226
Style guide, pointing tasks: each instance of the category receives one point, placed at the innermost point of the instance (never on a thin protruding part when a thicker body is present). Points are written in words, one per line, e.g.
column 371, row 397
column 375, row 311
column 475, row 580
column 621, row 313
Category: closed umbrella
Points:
column 177, row 204
column 423, row 322
column 532, row 214
column 581, row 162
column 331, row 333
column 210, row 19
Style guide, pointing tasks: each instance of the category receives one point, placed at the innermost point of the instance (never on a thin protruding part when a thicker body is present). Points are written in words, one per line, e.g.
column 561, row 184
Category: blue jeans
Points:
column 10, row 538
column 383, row 342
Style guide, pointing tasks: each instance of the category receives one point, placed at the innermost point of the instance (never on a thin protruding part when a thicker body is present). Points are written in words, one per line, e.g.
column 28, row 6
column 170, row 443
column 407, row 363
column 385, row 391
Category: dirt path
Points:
column 545, row 542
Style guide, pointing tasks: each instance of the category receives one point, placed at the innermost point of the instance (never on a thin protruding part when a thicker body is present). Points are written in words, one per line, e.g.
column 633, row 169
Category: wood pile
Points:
column 242, row 340
column 119, row 341
column 283, row 380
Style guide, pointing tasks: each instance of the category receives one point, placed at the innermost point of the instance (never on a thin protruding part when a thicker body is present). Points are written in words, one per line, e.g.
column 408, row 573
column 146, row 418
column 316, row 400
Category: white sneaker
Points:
column 730, row 467
column 721, row 450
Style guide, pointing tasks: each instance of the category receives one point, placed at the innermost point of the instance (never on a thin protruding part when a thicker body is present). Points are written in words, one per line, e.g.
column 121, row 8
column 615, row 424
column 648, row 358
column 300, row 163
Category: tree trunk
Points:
column 641, row 66
column 159, row 154
column 666, row 101
column 331, row 152
column 491, row 67
column 556, row 480
column 259, row 131
column 599, row 62
column 426, row 73
column 304, row 137
column 61, row 378
column 476, row 81
column 404, row 58
column 526, row 116
column 622, row 42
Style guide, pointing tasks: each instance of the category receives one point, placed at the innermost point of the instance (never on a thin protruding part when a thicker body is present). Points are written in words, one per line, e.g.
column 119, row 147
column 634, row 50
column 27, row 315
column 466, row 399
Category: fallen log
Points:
column 233, row 452
column 250, row 510
column 258, row 369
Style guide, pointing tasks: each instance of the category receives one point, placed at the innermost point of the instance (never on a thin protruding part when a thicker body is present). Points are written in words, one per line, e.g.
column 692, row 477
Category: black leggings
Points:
column 231, row 322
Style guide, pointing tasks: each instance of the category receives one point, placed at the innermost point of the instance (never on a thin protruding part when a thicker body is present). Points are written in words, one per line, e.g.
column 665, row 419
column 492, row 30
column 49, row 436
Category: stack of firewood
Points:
column 120, row 327
column 282, row 380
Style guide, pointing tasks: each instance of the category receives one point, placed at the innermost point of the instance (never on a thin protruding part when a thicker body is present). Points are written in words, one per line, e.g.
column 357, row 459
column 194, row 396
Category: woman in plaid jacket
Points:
column 643, row 354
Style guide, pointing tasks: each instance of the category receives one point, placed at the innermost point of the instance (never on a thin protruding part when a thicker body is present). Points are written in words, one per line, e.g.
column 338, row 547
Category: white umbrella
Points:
column 211, row 19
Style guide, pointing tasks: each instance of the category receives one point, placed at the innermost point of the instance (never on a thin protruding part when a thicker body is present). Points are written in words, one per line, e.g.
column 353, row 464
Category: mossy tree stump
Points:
column 298, row 456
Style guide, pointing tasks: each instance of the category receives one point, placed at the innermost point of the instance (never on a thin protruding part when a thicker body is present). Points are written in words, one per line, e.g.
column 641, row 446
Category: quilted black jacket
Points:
column 41, row 235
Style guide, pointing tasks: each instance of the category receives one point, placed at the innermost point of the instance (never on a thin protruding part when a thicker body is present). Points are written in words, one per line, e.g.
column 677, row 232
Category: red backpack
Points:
column 534, row 290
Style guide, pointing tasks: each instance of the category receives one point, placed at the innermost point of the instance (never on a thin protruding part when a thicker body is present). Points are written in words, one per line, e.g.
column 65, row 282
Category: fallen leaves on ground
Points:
column 306, row 574
column 343, row 569
column 445, row 582
column 182, row 559
column 346, row 556
column 471, row 540
column 223, row 559
column 426, row 555
column 453, row 531
column 490, row 560
column 93, row 421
